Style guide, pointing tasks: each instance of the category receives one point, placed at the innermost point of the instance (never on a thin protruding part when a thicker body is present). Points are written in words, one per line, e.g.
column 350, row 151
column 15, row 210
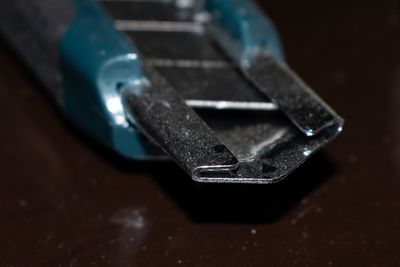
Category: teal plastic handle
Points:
column 244, row 30
column 96, row 60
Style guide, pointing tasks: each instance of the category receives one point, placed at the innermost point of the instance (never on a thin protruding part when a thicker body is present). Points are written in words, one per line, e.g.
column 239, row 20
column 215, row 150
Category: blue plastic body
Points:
column 243, row 29
column 96, row 60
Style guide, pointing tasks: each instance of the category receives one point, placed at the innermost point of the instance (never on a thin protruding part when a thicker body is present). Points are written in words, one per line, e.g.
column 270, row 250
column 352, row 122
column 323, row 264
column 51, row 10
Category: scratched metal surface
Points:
column 66, row 201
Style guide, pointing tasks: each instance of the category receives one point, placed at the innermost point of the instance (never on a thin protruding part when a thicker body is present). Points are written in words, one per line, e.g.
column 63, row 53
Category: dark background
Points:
column 66, row 201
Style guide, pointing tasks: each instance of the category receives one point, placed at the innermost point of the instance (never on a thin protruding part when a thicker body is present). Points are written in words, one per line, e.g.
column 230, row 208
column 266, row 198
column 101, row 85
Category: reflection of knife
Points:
column 203, row 80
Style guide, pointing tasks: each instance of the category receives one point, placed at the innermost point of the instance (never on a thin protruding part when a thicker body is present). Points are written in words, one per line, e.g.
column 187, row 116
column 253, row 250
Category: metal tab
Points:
column 302, row 106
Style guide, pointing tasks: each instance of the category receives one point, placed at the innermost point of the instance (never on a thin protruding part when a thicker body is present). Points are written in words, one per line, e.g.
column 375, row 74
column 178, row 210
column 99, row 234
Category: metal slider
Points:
column 220, row 120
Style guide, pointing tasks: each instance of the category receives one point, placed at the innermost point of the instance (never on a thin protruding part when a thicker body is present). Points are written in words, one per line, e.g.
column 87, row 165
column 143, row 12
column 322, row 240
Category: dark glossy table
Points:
column 67, row 201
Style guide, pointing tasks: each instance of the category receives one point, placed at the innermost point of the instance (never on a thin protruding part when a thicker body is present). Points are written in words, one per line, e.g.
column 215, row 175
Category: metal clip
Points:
column 220, row 100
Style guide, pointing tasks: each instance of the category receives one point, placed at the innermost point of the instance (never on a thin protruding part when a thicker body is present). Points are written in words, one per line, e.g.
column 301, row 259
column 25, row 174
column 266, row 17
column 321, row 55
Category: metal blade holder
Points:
column 255, row 123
